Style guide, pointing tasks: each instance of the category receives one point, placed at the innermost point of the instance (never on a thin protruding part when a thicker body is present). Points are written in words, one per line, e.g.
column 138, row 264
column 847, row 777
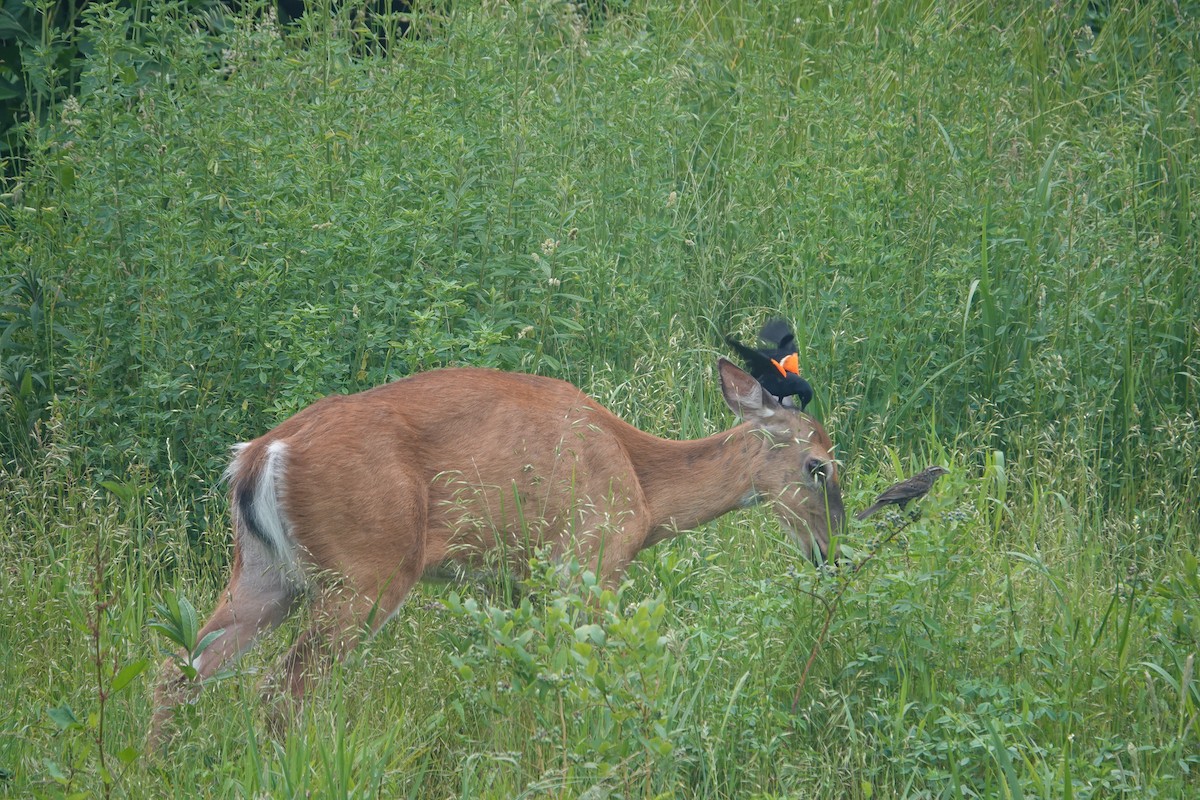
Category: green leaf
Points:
column 123, row 491
column 10, row 23
column 204, row 643
column 128, row 673
column 178, row 622
column 660, row 746
column 189, row 623
column 55, row 770
column 167, row 630
column 66, row 176
column 64, row 717
column 1012, row 786
column 590, row 633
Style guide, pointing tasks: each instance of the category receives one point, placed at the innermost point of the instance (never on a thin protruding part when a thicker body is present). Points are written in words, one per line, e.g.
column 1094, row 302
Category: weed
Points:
column 981, row 219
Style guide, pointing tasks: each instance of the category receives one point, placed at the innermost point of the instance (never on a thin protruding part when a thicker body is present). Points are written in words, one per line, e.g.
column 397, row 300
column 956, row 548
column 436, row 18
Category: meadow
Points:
column 983, row 220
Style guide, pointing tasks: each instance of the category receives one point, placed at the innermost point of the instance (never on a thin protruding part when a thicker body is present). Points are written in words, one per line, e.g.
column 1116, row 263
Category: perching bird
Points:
column 777, row 367
column 900, row 494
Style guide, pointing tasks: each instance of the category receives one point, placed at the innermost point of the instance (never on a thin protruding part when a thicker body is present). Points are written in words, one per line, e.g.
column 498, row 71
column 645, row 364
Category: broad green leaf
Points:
column 208, row 639
column 128, row 673
column 123, row 491
column 64, row 717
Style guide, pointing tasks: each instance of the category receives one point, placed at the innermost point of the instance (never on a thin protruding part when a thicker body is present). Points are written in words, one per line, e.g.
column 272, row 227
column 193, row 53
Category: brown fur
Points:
column 456, row 465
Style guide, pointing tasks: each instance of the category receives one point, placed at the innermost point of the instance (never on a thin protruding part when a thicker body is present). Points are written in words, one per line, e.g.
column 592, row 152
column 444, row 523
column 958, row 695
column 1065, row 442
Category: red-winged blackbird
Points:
column 900, row 494
column 777, row 367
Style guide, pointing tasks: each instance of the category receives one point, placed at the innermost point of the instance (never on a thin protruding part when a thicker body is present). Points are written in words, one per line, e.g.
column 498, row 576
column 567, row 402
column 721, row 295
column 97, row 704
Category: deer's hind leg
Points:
column 343, row 611
column 258, row 597
column 374, row 564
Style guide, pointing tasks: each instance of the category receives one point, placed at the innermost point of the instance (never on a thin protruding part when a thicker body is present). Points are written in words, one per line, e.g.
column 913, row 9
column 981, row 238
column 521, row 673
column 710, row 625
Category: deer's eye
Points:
column 817, row 469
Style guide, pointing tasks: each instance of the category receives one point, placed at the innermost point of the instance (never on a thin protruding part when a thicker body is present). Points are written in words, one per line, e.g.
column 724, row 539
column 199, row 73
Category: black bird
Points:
column 900, row 494
column 776, row 367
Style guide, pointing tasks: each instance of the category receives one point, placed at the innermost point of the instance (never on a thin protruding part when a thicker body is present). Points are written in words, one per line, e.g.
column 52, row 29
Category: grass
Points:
column 982, row 220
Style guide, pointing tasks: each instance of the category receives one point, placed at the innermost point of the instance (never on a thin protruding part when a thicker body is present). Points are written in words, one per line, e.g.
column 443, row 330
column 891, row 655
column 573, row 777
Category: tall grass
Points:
column 982, row 221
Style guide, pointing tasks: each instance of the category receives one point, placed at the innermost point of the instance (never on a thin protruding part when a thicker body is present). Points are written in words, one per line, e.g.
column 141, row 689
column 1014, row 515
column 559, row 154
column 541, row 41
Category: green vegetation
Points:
column 984, row 222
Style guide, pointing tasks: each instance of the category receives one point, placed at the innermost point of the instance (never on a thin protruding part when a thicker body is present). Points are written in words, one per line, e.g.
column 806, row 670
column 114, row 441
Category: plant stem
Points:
column 831, row 608
column 100, row 605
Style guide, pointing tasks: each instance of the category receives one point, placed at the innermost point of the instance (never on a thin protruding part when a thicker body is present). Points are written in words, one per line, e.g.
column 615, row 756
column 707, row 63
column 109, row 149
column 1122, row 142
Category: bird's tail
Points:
column 778, row 333
column 866, row 512
column 751, row 356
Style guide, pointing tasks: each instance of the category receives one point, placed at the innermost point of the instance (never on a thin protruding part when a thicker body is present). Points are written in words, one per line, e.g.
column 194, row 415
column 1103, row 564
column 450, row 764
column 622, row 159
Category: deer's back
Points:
column 468, row 456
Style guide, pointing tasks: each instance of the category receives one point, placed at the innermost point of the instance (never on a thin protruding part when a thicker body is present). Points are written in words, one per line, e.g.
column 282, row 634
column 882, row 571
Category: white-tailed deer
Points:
column 350, row 501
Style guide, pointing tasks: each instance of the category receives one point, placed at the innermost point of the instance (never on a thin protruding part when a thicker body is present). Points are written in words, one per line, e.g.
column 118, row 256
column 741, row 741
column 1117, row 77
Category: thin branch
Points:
column 832, row 606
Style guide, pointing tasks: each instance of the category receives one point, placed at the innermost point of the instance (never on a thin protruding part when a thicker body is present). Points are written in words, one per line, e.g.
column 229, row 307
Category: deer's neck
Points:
column 689, row 483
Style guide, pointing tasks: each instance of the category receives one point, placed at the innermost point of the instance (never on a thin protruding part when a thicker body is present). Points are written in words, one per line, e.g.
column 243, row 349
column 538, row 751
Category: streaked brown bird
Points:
column 900, row 494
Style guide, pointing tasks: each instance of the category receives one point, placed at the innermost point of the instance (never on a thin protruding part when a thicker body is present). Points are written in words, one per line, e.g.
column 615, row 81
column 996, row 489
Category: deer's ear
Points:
column 745, row 396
